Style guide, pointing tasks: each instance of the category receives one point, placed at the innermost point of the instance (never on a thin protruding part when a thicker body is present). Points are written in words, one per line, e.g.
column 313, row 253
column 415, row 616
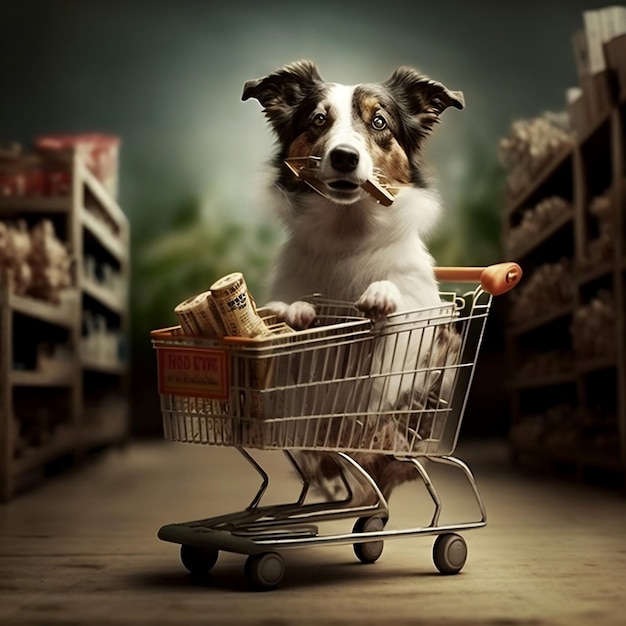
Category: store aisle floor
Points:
column 82, row 549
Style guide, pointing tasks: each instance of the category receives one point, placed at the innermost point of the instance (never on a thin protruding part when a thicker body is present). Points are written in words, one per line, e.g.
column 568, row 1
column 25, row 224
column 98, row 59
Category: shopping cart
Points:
column 347, row 386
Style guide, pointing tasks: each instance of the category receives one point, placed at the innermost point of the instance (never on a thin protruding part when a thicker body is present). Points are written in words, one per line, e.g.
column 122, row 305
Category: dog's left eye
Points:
column 379, row 122
column 319, row 119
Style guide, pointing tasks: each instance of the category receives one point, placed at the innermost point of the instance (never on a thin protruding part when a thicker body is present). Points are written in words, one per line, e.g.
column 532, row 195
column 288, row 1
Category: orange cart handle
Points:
column 494, row 279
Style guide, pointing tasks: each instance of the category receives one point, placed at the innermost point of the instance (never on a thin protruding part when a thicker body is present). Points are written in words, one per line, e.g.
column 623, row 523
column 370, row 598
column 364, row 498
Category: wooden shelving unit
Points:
column 63, row 408
column 567, row 390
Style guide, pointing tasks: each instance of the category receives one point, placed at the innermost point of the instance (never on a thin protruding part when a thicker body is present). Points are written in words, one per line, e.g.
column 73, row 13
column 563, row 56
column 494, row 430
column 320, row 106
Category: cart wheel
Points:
column 368, row 552
column 265, row 571
column 449, row 553
column 198, row 560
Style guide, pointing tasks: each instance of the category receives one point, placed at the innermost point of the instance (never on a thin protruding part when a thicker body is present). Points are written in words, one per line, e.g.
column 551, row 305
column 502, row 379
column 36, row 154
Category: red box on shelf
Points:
column 99, row 152
column 21, row 175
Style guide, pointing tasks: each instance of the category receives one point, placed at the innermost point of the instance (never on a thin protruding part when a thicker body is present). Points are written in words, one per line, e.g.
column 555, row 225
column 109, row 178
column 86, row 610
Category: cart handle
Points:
column 494, row 279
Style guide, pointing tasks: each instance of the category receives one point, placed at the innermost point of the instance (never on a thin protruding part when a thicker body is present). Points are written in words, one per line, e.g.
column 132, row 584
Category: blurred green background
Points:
column 167, row 76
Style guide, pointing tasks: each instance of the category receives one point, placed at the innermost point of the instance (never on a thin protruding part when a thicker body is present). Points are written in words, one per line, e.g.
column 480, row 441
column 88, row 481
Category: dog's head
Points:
column 354, row 133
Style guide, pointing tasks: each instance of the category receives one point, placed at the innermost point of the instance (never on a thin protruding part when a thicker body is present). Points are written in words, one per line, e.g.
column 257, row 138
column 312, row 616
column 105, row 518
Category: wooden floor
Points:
column 82, row 549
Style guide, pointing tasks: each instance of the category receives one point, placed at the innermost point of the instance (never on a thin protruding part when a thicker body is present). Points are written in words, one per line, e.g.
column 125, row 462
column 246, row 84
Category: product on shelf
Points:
column 52, row 356
column 47, row 170
column 557, row 427
column 50, row 263
column 536, row 220
column 104, row 274
column 38, row 423
column 22, row 175
column 528, row 430
column 15, row 248
column 531, row 144
column 600, row 248
column 20, row 444
column 29, row 174
column 548, row 288
column 546, row 364
column 563, row 427
column 39, row 262
column 101, row 343
column 593, row 327
column 98, row 151
column 605, row 439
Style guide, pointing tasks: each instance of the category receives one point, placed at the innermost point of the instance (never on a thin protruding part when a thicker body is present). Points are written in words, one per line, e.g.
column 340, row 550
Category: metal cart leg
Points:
column 381, row 505
column 265, row 479
column 256, row 516
column 432, row 491
column 306, row 483
column 454, row 462
column 430, row 487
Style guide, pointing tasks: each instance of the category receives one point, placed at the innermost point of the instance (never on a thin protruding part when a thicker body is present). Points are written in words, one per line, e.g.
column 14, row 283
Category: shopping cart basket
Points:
column 347, row 385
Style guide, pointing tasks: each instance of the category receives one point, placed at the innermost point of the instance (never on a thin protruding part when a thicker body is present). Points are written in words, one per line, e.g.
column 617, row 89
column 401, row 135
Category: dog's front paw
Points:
column 299, row 314
column 380, row 299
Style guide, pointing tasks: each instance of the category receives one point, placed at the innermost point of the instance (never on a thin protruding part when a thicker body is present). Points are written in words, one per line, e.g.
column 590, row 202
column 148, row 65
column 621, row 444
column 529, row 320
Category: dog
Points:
column 341, row 240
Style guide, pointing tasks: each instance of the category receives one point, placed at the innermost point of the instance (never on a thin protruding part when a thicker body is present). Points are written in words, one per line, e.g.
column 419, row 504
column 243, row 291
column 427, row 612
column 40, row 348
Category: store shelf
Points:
column 63, row 376
column 597, row 385
column 34, row 205
column 587, row 274
column 547, row 380
column 66, row 389
column 104, row 296
column 519, row 252
column 542, row 319
column 579, row 457
column 596, row 364
column 107, row 239
column 115, row 368
column 544, row 172
column 62, row 314
column 106, row 202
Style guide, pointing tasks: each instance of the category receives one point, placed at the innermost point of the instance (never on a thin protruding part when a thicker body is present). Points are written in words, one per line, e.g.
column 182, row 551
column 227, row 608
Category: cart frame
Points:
column 262, row 531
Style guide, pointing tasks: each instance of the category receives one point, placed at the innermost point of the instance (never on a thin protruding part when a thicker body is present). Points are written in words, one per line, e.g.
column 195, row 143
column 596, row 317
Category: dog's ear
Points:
column 423, row 98
column 282, row 91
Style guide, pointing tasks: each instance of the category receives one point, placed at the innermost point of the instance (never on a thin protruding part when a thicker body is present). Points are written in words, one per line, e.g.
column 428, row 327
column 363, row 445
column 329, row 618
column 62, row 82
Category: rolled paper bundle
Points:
column 236, row 307
column 185, row 318
column 196, row 318
column 214, row 316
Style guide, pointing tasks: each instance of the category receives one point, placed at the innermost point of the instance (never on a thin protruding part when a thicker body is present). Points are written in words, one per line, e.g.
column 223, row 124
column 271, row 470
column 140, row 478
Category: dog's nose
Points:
column 344, row 158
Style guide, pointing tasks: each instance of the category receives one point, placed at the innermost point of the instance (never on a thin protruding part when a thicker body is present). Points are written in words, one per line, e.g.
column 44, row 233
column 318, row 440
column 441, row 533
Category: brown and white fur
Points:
column 343, row 243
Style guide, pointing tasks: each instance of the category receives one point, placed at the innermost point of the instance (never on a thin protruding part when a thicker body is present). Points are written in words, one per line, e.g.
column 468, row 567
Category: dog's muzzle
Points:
column 345, row 160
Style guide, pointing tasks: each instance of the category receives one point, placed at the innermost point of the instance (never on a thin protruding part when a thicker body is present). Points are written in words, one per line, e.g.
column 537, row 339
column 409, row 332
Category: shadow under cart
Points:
column 262, row 532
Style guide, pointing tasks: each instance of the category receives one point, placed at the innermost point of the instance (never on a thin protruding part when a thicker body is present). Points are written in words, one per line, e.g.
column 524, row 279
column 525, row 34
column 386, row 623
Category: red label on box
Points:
column 196, row 373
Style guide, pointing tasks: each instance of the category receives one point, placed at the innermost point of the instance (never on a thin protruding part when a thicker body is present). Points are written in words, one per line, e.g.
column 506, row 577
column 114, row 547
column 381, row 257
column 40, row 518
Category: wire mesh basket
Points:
column 397, row 387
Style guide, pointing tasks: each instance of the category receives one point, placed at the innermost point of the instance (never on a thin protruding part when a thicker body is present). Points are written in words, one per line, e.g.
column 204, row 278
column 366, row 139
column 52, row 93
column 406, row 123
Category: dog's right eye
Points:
column 319, row 119
column 379, row 122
